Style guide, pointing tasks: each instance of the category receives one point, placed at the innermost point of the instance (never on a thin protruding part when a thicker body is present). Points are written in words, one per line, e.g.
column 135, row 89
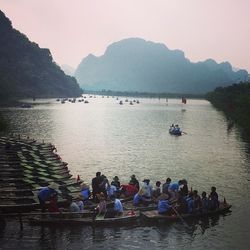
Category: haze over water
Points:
column 133, row 139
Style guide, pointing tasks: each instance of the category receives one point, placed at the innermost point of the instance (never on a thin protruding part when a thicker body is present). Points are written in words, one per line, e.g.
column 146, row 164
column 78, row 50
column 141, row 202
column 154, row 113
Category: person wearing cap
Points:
column 46, row 193
column 133, row 181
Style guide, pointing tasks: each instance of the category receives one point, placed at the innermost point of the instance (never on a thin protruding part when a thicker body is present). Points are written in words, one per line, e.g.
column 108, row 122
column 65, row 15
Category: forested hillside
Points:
column 234, row 101
column 26, row 70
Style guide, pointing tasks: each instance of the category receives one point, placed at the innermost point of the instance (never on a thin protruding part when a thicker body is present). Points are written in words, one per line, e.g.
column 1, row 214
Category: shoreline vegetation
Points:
column 142, row 94
column 234, row 101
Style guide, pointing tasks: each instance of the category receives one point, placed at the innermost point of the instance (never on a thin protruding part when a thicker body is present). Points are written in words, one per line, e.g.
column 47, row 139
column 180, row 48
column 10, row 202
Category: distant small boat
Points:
column 26, row 105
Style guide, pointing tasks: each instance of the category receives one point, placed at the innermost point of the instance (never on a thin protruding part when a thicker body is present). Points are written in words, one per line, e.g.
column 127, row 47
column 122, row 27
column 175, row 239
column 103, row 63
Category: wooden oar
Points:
column 181, row 218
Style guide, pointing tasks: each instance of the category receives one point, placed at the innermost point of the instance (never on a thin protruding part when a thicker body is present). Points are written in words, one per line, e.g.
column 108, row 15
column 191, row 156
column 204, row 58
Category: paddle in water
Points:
column 181, row 218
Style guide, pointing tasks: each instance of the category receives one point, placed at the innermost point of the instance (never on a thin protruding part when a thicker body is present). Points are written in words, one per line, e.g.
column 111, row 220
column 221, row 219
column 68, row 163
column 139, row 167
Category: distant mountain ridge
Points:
column 27, row 70
column 134, row 64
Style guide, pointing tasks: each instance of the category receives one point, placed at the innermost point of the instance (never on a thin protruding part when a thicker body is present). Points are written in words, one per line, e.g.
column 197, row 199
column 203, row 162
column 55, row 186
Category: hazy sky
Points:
column 218, row 29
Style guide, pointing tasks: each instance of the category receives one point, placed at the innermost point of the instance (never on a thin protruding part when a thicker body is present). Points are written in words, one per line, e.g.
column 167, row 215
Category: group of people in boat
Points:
column 169, row 196
column 175, row 129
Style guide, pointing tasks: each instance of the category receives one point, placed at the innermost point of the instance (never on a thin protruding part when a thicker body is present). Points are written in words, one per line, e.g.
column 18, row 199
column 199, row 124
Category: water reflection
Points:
column 123, row 140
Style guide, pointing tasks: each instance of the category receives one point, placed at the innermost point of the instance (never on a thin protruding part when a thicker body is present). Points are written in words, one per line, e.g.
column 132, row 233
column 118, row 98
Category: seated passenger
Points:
column 157, row 190
column 213, row 199
column 117, row 209
column 165, row 186
column 128, row 190
column 138, row 199
column 116, row 182
column 102, row 206
column 111, row 190
column 182, row 204
column 173, row 189
column 147, row 190
column 85, row 192
column 164, row 206
column 190, row 203
column 184, row 188
column 133, row 181
column 197, row 201
column 53, row 207
column 204, row 202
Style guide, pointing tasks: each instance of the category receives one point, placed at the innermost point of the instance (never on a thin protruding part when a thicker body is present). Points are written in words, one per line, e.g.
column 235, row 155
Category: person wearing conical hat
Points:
column 46, row 193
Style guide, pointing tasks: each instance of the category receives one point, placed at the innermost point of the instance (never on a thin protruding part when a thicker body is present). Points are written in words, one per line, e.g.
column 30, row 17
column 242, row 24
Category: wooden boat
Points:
column 177, row 133
column 155, row 216
column 127, row 217
column 128, row 205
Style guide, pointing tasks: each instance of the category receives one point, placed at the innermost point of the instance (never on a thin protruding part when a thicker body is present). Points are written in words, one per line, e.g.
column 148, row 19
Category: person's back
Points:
column 204, row 202
column 213, row 199
column 95, row 185
column 134, row 181
column 190, row 203
column 164, row 207
column 165, row 186
column 85, row 192
column 197, row 201
column 118, row 206
column 45, row 193
column 111, row 190
column 157, row 189
column 129, row 190
column 74, row 207
column 137, row 200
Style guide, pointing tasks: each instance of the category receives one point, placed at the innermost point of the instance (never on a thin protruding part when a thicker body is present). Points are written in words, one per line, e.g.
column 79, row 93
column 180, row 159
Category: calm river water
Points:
column 133, row 139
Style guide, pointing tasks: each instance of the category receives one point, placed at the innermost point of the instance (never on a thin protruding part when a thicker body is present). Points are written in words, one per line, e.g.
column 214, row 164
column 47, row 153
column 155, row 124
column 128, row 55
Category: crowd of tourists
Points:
column 169, row 196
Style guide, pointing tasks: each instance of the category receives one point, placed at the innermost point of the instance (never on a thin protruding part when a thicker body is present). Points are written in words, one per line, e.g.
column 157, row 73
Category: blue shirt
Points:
column 190, row 204
column 45, row 193
column 137, row 199
column 118, row 206
column 174, row 186
column 163, row 206
column 85, row 193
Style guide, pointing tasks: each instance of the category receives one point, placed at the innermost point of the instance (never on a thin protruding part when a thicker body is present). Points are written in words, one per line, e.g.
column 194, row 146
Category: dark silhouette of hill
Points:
column 27, row 70
column 138, row 65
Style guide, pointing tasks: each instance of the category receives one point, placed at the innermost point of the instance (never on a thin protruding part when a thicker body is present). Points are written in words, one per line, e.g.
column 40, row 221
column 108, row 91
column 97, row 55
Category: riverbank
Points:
column 234, row 101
